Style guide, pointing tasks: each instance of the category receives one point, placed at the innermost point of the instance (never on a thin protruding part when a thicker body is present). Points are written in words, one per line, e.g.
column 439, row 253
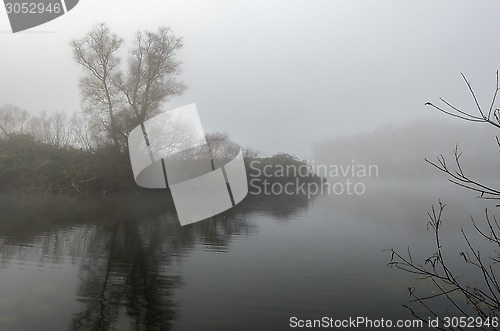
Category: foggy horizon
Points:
column 295, row 72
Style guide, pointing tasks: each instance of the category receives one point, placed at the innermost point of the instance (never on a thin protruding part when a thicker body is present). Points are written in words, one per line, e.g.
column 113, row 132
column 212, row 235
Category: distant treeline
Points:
column 400, row 151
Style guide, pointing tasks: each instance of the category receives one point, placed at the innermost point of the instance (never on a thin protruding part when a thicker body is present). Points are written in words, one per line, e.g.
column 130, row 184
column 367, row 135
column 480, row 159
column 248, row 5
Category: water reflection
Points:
column 123, row 273
column 123, row 246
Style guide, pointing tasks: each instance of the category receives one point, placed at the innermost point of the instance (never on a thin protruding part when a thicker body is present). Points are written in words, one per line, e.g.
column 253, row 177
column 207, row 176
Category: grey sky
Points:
column 279, row 75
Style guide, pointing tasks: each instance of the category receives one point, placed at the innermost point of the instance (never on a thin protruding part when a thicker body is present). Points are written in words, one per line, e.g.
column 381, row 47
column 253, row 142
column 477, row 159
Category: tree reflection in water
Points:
column 125, row 245
column 124, row 273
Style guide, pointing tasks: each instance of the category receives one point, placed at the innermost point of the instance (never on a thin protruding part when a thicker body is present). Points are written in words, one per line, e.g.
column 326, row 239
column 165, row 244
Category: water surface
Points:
column 123, row 262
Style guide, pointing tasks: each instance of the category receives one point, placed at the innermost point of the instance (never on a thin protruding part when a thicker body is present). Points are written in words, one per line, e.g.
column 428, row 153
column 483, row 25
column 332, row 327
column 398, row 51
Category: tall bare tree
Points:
column 96, row 52
column 122, row 99
column 152, row 73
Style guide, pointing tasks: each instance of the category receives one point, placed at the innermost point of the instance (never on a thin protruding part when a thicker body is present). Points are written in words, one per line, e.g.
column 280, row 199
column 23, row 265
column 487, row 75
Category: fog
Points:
column 400, row 151
column 294, row 72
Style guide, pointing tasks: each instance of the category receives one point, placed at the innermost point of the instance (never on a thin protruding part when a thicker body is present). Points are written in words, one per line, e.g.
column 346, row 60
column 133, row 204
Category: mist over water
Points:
column 94, row 263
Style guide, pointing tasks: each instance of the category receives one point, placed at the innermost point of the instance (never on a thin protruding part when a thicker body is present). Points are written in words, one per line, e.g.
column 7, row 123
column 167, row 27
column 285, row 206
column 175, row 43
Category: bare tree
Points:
column 88, row 133
column 54, row 129
column 101, row 98
column 12, row 120
column 152, row 71
column 221, row 146
column 96, row 52
column 249, row 153
column 482, row 297
column 120, row 100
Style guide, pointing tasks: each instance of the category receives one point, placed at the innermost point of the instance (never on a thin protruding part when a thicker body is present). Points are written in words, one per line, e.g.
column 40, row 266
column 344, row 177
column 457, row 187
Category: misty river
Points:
column 123, row 262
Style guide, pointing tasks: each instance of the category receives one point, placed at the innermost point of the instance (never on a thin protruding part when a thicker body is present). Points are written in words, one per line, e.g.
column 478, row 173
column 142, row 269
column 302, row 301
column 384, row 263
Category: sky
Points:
column 279, row 75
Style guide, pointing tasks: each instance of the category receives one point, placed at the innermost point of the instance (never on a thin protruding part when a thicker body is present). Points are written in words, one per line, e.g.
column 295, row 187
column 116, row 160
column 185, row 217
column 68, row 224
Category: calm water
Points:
column 124, row 263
